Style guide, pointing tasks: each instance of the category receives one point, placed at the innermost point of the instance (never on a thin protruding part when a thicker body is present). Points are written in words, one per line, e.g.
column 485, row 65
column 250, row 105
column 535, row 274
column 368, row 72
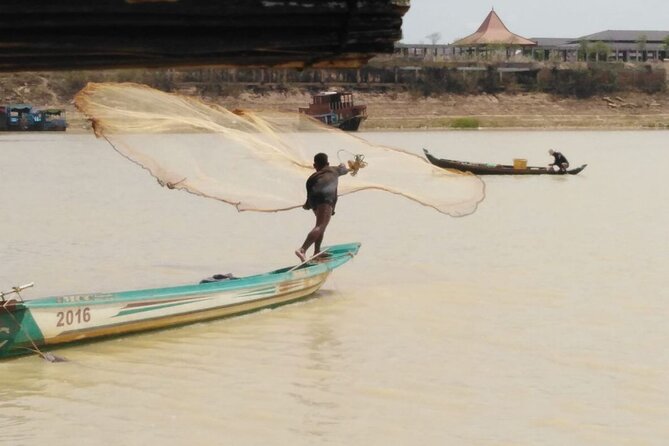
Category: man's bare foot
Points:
column 300, row 253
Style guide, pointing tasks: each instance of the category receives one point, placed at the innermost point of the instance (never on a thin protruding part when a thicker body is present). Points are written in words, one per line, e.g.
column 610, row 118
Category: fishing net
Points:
column 257, row 161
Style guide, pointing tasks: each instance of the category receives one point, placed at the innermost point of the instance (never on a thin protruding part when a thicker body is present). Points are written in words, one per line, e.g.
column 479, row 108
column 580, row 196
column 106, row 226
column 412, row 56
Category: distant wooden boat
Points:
column 496, row 169
column 27, row 326
column 23, row 117
column 336, row 109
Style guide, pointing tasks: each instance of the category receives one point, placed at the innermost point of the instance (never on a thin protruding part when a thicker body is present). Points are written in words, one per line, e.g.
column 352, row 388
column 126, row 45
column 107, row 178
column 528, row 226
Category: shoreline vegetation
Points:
column 596, row 99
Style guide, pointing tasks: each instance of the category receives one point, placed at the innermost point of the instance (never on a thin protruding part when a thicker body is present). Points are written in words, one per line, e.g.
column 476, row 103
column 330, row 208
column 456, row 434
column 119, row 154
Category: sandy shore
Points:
column 530, row 110
column 503, row 111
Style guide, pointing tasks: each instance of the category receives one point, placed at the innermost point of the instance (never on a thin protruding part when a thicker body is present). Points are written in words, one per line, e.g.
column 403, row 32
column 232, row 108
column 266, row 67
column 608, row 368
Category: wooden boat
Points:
column 28, row 325
column 336, row 109
column 53, row 119
column 496, row 169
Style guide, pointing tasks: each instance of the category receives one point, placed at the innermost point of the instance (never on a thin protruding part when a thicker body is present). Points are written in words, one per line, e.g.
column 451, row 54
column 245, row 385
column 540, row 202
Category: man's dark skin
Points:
column 321, row 199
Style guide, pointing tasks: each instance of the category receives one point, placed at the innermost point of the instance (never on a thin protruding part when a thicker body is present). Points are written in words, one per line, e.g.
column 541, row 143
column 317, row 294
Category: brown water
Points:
column 540, row 319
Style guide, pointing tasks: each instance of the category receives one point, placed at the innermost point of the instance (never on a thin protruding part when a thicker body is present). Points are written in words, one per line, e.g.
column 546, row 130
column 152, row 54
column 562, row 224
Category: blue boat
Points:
column 27, row 326
column 23, row 117
column 20, row 117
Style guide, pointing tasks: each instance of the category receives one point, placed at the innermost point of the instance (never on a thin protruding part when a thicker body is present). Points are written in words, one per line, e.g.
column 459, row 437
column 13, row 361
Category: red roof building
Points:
column 493, row 32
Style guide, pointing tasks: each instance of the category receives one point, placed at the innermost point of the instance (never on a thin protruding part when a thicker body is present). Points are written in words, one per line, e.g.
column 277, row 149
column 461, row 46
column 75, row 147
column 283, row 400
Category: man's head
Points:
column 320, row 161
column 551, row 151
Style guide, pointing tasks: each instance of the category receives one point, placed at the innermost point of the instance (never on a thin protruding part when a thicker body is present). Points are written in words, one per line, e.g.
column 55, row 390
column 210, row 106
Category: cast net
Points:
column 257, row 161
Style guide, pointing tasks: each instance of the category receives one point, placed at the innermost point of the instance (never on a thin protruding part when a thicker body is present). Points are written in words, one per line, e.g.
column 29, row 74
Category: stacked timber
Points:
column 84, row 34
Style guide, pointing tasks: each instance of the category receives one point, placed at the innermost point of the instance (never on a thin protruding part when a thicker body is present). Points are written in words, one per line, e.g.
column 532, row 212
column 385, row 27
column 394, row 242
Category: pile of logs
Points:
column 619, row 102
column 84, row 34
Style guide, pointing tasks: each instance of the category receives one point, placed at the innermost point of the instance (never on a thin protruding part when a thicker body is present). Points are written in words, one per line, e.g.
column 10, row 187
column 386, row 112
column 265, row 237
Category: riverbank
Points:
column 502, row 111
column 400, row 109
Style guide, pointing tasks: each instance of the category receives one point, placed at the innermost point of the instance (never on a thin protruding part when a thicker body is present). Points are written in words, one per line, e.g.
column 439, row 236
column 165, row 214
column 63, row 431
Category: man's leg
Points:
column 323, row 214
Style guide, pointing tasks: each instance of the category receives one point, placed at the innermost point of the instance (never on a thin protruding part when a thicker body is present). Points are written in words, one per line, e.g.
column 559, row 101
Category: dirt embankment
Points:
column 401, row 110
column 526, row 110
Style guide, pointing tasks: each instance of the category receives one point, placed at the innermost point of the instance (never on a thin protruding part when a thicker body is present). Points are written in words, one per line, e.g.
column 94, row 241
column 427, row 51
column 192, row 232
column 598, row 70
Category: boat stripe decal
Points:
column 140, row 307
column 160, row 302
column 260, row 292
column 156, row 307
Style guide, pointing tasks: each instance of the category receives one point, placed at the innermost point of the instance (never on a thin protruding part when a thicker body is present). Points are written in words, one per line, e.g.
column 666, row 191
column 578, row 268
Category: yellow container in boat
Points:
column 519, row 163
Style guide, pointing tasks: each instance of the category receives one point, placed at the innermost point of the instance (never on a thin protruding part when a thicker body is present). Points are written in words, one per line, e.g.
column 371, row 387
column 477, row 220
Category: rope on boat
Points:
column 48, row 356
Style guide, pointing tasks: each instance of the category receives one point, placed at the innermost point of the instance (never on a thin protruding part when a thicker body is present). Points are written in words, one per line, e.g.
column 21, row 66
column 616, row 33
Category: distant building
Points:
column 492, row 34
column 550, row 48
column 494, row 37
column 491, row 37
column 423, row 51
column 636, row 45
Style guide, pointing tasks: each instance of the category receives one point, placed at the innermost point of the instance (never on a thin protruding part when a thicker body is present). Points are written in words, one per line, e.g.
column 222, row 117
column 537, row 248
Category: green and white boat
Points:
column 26, row 326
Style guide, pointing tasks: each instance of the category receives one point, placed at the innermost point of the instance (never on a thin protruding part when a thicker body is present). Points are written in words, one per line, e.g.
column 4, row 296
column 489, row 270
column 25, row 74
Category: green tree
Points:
column 641, row 45
column 583, row 50
column 601, row 51
column 491, row 50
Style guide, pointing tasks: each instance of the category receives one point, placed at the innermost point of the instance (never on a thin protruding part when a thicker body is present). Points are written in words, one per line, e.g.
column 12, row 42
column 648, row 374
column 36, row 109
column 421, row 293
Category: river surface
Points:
column 541, row 319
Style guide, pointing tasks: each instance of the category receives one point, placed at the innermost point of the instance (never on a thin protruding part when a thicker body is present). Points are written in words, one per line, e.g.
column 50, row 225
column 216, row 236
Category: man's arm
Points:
column 342, row 169
column 309, row 185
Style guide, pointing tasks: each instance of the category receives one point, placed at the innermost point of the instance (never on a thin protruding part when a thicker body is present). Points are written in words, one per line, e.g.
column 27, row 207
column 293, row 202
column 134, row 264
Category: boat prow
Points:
column 577, row 170
column 25, row 326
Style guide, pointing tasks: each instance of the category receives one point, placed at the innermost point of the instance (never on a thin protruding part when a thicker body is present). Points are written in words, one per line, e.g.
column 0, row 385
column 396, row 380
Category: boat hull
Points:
column 77, row 318
column 352, row 124
column 496, row 169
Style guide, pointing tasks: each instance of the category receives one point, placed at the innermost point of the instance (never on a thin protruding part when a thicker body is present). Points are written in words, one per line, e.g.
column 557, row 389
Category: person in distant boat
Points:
column 560, row 161
column 321, row 199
